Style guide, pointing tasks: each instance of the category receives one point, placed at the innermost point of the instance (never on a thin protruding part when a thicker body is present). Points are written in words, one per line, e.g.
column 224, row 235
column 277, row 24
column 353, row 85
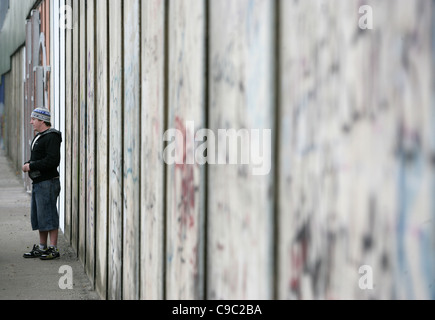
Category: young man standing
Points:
column 42, row 169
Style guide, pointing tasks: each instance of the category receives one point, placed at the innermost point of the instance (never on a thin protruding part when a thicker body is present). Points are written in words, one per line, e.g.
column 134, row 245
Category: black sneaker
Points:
column 50, row 254
column 35, row 253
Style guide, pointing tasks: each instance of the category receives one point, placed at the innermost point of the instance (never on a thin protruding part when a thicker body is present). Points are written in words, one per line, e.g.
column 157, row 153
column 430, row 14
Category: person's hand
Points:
column 26, row 167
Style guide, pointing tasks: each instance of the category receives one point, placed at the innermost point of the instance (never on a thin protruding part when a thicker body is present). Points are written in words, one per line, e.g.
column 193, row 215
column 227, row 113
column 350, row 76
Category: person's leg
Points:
column 48, row 216
column 53, row 237
column 52, row 219
column 43, row 238
column 34, row 210
column 52, row 251
column 40, row 192
column 54, row 194
column 40, row 249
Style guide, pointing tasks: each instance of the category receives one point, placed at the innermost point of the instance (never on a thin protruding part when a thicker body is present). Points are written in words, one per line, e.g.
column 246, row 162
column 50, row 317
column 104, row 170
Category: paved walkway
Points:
column 34, row 279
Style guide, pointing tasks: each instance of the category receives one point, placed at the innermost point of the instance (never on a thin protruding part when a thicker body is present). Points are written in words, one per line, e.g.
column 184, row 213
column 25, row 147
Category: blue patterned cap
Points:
column 42, row 114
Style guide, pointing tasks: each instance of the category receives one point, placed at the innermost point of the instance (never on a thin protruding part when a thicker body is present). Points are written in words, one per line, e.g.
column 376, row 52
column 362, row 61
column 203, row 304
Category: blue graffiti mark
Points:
column 432, row 144
column 410, row 175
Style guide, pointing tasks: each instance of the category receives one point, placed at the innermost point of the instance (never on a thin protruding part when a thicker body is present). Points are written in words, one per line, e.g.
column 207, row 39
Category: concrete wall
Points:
column 12, row 122
column 349, row 195
column 356, row 150
column 2, row 111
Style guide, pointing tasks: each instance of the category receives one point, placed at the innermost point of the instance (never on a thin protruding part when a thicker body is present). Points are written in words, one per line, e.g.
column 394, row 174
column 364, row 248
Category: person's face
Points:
column 37, row 124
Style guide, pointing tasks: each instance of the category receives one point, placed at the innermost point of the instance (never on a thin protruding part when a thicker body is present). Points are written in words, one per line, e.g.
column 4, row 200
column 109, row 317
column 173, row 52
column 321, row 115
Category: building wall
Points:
column 349, row 195
column 2, row 111
column 13, row 30
column 12, row 121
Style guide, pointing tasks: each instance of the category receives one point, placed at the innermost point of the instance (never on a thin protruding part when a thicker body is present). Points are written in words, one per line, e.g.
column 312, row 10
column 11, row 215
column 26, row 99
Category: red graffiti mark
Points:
column 298, row 260
column 187, row 180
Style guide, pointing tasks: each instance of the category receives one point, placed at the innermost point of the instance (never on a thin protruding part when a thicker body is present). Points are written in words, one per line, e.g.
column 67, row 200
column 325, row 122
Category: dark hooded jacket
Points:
column 45, row 156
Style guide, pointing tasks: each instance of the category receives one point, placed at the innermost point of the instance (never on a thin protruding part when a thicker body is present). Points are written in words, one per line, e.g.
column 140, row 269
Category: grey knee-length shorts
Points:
column 44, row 215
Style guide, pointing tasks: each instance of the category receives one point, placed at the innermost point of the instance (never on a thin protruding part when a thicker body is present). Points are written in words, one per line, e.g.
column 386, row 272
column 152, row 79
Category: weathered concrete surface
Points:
column 23, row 279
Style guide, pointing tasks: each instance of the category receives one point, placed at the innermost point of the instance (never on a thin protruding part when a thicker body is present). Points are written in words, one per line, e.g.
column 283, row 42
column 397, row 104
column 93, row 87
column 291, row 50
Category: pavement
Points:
column 32, row 279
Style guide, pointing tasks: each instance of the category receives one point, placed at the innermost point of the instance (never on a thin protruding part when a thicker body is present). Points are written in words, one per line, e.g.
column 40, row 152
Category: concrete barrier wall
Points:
column 240, row 207
column 2, row 111
column 344, row 211
column 356, row 150
column 153, row 115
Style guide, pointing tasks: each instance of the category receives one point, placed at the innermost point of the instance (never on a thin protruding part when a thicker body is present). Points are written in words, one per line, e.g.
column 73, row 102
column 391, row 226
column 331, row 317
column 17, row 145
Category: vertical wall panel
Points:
column 9, row 101
column 2, row 112
column 75, row 128
column 115, row 262
column 240, row 215
column 57, row 73
column 14, row 147
column 91, row 155
column 15, row 127
column 82, row 143
column 61, row 107
column 56, row 89
column 315, row 164
column 68, row 134
column 55, row 67
column 152, row 166
column 18, row 121
column 296, row 138
column 102, row 144
column 28, row 95
column 132, row 144
column 411, row 97
column 353, row 180
column 7, row 112
column 20, row 111
column 186, row 187
column 431, row 240
column 25, row 112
